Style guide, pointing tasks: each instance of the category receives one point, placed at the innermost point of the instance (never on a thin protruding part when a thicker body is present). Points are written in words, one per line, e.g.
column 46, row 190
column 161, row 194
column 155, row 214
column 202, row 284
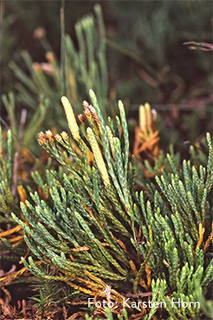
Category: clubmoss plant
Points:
column 109, row 241
column 72, row 75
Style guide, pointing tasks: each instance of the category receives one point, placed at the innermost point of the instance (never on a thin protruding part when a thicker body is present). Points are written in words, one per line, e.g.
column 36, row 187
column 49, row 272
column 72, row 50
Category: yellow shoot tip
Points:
column 70, row 118
column 145, row 118
column 142, row 118
column 98, row 156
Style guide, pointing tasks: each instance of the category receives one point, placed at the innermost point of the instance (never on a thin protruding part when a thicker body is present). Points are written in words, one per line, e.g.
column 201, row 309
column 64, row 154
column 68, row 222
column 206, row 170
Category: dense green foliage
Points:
column 90, row 227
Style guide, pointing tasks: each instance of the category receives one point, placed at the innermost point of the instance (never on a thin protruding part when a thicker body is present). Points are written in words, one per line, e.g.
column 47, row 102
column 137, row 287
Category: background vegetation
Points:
column 146, row 36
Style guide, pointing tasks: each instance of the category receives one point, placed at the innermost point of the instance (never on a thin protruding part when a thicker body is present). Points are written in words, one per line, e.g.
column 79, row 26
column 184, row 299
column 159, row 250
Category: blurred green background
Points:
column 146, row 56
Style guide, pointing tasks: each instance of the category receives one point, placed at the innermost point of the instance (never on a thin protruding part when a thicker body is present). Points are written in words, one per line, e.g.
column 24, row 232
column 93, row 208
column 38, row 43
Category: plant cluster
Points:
column 77, row 71
column 106, row 240
column 101, row 222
